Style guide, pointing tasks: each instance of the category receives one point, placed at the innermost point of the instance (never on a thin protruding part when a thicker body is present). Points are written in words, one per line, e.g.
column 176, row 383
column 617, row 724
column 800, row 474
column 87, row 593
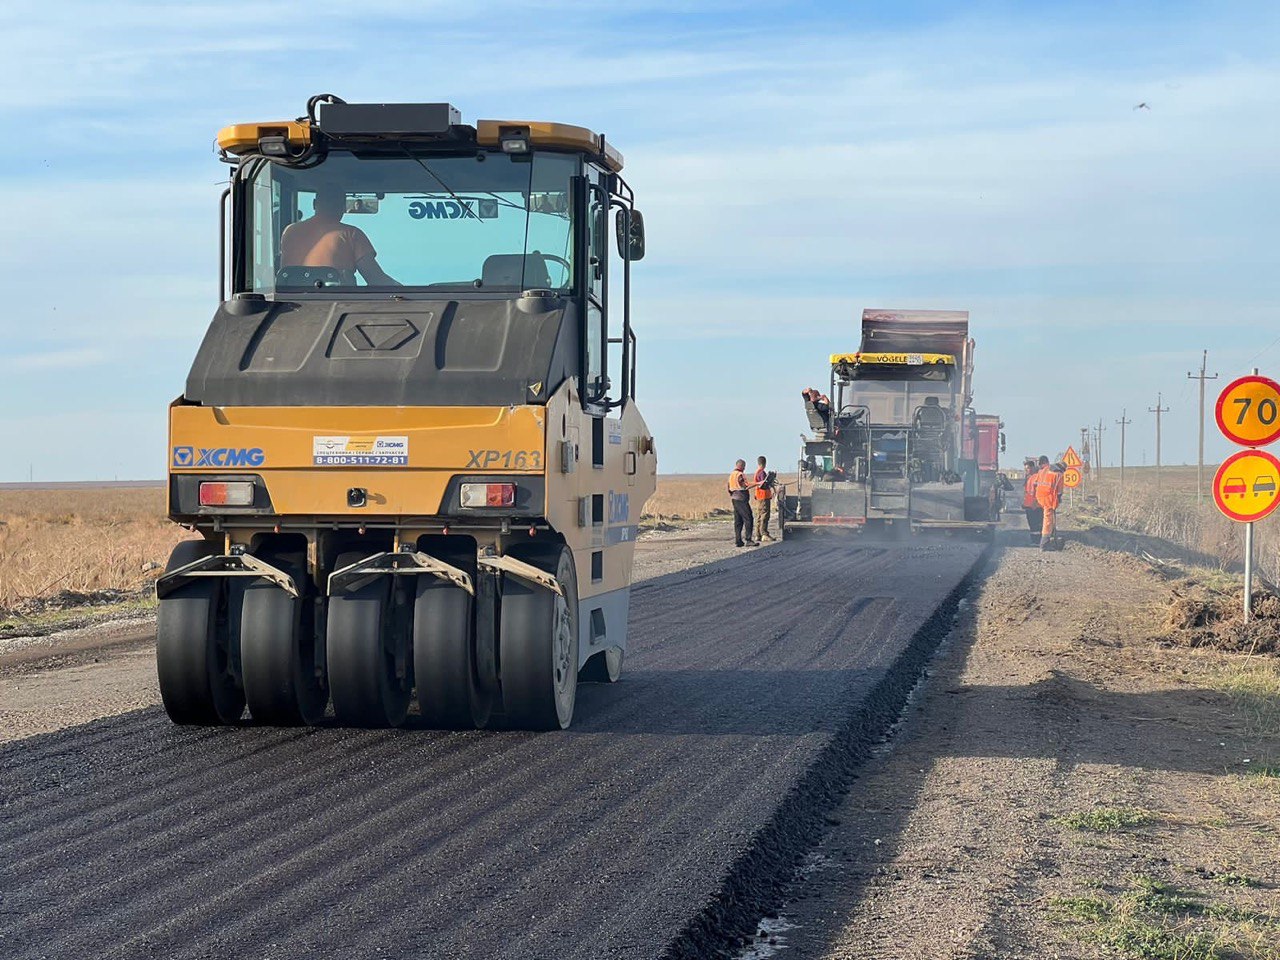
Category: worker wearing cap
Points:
column 1031, row 506
column 1049, row 496
column 739, row 496
column 763, row 501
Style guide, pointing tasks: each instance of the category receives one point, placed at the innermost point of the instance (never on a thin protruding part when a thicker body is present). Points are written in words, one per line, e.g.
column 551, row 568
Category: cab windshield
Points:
column 895, row 399
column 487, row 222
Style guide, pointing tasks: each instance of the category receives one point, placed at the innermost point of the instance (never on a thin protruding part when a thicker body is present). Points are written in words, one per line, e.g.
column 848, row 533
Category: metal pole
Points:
column 1158, row 409
column 1097, row 452
column 1248, row 571
column 1123, row 422
column 1202, row 377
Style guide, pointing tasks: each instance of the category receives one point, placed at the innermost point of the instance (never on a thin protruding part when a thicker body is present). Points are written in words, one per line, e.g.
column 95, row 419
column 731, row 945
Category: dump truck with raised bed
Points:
column 895, row 441
column 409, row 441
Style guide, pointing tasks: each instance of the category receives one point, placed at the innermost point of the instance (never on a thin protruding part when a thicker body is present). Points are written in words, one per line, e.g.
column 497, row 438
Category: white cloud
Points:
column 55, row 360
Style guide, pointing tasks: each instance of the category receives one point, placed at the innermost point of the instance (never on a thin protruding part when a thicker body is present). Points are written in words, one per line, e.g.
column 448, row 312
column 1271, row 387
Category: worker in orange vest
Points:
column 739, row 496
column 1031, row 506
column 1049, row 496
column 764, row 501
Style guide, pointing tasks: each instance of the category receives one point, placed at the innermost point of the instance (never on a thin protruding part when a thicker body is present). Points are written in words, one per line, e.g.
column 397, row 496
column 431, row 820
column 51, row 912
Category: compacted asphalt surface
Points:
column 630, row 835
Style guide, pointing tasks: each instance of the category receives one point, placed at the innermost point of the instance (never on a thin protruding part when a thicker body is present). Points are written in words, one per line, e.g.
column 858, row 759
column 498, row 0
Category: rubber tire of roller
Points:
column 449, row 694
column 603, row 667
column 362, row 677
column 280, row 684
column 196, row 684
column 532, row 698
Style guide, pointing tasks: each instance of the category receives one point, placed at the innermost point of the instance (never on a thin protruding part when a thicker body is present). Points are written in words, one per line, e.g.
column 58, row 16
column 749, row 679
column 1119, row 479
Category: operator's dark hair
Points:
column 1044, row 461
column 761, row 460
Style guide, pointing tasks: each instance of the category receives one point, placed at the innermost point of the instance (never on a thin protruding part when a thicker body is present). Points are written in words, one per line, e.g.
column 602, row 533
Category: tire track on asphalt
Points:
column 131, row 838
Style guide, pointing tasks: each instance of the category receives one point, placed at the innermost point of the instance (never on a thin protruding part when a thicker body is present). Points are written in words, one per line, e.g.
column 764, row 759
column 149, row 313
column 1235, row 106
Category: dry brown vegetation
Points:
column 692, row 496
column 1171, row 516
column 77, row 544
column 80, row 544
column 688, row 496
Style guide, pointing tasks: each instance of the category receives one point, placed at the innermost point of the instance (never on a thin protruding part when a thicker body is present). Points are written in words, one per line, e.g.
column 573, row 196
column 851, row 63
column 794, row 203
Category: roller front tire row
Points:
column 222, row 645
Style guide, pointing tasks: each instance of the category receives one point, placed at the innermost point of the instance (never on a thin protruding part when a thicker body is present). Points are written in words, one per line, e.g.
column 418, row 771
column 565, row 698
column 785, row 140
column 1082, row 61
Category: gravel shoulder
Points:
column 105, row 667
column 1067, row 783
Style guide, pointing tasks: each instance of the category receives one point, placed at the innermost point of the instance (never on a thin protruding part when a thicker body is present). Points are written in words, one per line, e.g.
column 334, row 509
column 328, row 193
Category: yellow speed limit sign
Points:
column 1248, row 411
column 1247, row 485
column 1071, row 477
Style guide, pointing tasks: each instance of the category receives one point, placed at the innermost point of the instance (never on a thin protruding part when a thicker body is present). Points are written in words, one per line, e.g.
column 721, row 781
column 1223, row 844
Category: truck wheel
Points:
column 538, row 647
column 444, row 658
column 362, row 664
column 193, row 657
column 603, row 667
column 277, row 658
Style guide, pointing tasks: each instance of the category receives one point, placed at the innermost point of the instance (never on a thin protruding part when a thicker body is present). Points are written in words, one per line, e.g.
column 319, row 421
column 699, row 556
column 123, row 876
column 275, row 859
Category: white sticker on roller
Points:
column 360, row 451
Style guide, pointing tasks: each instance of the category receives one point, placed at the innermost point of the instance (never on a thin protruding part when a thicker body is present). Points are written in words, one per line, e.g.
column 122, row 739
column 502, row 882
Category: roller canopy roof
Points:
column 437, row 123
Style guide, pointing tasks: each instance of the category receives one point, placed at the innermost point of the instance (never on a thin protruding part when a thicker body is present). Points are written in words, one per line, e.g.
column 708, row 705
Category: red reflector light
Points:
column 500, row 495
column 234, row 493
column 488, row 495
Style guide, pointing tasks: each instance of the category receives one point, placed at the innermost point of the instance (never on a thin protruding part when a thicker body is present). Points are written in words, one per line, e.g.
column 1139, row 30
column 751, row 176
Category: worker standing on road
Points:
column 1031, row 506
column 1049, row 496
column 739, row 493
column 764, row 501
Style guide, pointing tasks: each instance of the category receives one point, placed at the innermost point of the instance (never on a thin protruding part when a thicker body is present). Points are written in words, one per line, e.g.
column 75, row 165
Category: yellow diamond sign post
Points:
column 1245, row 486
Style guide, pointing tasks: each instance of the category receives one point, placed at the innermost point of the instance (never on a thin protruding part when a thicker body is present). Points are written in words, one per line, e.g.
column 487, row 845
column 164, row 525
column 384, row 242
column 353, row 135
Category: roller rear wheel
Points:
column 538, row 641
column 603, row 667
column 444, row 658
column 363, row 679
column 277, row 656
column 193, row 657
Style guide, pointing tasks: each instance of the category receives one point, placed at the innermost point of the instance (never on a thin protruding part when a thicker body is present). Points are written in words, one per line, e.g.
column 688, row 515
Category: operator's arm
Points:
column 366, row 259
column 373, row 274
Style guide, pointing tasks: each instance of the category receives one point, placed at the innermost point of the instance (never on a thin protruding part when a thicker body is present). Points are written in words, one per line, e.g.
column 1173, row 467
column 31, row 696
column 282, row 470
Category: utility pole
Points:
column 1202, row 377
column 1123, row 422
column 1097, row 450
column 1158, row 409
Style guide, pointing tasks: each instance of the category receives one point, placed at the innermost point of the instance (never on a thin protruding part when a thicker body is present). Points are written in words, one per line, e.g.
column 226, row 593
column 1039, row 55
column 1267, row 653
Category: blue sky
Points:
column 795, row 162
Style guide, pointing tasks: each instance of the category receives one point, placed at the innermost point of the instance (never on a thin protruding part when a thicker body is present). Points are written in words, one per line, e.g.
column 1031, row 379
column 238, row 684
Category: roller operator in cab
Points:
column 323, row 240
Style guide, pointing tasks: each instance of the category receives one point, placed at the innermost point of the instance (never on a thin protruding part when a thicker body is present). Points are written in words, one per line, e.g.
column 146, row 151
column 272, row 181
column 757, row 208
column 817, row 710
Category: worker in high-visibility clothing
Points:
column 1049, row 496
column 1031, row 506
column 739, row 493
column 764, row 500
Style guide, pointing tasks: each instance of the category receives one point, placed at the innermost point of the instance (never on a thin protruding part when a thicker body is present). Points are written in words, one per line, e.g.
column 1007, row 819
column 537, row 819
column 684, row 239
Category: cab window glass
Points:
column 498, row 223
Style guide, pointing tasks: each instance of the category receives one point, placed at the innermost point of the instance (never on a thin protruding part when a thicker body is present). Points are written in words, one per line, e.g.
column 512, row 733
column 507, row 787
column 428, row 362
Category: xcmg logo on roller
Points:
column 218, row 456
column 460, row 209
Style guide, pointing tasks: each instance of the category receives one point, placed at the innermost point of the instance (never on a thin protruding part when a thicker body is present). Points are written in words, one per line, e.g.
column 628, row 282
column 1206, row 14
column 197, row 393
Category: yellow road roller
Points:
column 409, row 440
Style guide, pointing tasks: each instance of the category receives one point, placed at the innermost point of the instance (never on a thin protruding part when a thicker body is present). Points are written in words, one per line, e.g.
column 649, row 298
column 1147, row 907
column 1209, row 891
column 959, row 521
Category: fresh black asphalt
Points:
column 632, row 835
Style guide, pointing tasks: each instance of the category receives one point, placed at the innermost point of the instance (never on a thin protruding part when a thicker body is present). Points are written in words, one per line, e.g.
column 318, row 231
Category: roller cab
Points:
column 409, row 440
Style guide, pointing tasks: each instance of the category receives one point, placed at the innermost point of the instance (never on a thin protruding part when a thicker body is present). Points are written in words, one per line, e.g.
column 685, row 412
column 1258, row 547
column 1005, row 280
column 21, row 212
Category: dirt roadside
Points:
column 68, row 677
column 1066, row 784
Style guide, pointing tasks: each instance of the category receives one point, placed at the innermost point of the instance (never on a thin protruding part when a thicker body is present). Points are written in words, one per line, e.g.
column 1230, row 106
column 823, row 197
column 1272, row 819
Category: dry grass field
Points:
column 81, row 543
column 77, row 542
column 1171, row 515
